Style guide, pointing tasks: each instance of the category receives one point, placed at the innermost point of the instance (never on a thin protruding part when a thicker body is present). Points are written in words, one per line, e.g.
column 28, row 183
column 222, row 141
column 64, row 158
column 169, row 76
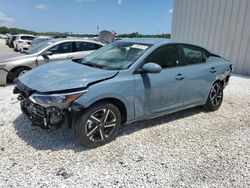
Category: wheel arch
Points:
column 118, row 103
column 11, row 72
column 220, row 80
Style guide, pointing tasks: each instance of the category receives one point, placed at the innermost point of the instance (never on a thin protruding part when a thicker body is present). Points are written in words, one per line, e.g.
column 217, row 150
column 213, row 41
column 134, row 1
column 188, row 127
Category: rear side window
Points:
column 166, row 56
column 65, row 47
column 85, row 46
column 194, row 55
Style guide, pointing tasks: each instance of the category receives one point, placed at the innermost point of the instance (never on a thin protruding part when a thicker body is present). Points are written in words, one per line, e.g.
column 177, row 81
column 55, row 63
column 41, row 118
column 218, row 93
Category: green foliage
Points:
column 14, row 31
column 138, row 35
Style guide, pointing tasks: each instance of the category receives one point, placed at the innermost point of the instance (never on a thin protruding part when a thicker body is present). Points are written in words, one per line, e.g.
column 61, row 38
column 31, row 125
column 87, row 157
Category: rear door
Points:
column 196, row 73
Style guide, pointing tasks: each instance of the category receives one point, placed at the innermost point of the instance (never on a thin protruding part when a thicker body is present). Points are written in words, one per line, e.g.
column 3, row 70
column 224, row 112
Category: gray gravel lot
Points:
column 192, row 148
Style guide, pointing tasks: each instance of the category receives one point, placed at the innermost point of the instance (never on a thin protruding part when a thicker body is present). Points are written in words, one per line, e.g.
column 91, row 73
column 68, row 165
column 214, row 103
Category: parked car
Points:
column 11, row 41
column 123, row 82
column 3, row 36
column 48, row 51
column 22, row 42
column 7, row 40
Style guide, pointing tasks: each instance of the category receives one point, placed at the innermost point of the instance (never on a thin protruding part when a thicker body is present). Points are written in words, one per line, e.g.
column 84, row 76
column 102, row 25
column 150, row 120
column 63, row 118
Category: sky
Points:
column 83, row 16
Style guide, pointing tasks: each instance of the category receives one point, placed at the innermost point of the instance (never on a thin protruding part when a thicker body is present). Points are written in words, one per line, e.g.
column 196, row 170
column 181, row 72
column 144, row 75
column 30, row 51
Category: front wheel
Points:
column 98, row 125
column 215, row 97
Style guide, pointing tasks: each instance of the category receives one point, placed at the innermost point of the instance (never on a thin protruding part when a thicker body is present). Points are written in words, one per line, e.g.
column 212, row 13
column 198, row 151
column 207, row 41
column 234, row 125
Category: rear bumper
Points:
column 25, row 47
column 227, row 78
column 3, row 77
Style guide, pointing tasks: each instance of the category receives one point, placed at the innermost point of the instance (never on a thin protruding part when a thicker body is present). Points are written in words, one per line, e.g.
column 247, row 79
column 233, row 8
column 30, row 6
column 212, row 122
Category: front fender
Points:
column 121, row 87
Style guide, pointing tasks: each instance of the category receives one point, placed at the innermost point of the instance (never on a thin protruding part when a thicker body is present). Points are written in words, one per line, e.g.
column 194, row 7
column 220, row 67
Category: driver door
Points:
column 60, row 51
column 160, row 92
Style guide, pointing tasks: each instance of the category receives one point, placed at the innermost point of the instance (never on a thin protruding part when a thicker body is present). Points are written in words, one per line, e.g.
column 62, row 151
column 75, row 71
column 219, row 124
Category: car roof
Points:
column 144, row 40
column 74, row 39
column 154, row 41
column 25, row 35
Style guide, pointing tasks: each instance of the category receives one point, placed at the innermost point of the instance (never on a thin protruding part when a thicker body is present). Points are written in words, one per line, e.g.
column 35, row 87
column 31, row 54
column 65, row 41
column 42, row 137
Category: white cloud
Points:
column 5, row 19
column 41, row 6
column 87, row 1
column 119, row 2
column 170, row 11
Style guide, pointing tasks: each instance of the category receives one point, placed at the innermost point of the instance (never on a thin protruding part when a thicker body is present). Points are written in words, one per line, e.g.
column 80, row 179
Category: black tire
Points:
column 19, row 71
column 98, row 125
column 215, row 97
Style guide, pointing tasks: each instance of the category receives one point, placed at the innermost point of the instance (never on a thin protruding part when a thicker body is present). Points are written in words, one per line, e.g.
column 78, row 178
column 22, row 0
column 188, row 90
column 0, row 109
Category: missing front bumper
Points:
column 45, row 118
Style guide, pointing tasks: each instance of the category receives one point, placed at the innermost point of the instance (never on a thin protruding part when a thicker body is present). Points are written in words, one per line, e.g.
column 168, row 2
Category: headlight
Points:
column 59, row 100
column 2, row 66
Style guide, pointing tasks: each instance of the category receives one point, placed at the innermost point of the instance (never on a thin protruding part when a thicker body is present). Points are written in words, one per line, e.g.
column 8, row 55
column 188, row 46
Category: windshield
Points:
column 117, row 55
column 39, row 47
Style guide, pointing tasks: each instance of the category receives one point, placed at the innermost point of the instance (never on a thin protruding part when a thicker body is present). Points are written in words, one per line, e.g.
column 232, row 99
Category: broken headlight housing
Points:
column 59, row 100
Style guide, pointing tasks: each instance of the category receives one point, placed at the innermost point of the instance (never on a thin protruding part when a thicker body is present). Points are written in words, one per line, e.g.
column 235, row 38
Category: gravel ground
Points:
column 192, row 148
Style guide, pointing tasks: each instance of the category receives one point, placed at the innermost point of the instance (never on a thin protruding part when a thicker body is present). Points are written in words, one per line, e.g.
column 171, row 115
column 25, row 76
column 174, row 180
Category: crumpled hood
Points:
column 15, row 57
column 63, row 75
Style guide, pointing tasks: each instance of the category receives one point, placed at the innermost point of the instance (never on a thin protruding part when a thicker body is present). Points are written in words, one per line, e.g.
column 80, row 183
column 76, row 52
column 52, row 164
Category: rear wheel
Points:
column 98, row 125
column 215, row 97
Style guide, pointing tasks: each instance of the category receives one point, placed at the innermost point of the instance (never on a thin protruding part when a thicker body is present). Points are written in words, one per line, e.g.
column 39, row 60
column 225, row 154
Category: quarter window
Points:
column 166, row 56
column 65, row 47
column 194, row 55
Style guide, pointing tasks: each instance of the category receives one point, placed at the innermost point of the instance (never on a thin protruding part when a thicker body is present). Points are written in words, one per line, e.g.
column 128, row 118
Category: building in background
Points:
column 222, row 26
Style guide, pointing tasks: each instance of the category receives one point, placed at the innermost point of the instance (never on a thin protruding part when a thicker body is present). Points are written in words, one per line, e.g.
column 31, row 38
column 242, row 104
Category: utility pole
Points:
column 97, row 29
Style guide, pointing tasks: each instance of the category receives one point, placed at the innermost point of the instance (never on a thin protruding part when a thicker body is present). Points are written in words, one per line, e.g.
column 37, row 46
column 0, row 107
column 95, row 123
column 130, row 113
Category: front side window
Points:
column 117, row 55
column 65, row 47
column 165, row 56
column 194, row 55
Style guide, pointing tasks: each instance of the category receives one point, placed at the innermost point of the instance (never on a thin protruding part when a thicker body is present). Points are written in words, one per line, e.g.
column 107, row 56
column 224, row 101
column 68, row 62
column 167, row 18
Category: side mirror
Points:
column 47, row 53
column 151, row 68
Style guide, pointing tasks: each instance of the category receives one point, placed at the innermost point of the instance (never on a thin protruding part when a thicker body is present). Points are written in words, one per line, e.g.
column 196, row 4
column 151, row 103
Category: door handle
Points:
column 212, row 70
column 69, row 57
column 179, row 77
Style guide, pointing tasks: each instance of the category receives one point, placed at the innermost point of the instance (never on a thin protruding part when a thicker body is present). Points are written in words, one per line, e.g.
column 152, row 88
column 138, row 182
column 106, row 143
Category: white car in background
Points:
column 3, row 36
column 22, row 42
column 45, row 52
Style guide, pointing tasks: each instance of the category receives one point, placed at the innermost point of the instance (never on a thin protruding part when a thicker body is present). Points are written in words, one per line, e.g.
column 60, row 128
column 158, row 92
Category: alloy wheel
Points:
column 100, row 125
column 216, row 94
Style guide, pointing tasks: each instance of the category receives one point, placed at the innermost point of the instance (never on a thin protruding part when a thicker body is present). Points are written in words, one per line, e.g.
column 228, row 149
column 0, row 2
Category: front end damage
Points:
column 46, row 117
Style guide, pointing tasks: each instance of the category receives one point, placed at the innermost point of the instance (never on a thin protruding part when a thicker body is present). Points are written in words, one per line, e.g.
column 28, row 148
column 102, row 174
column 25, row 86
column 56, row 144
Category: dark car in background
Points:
column 11, row 41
